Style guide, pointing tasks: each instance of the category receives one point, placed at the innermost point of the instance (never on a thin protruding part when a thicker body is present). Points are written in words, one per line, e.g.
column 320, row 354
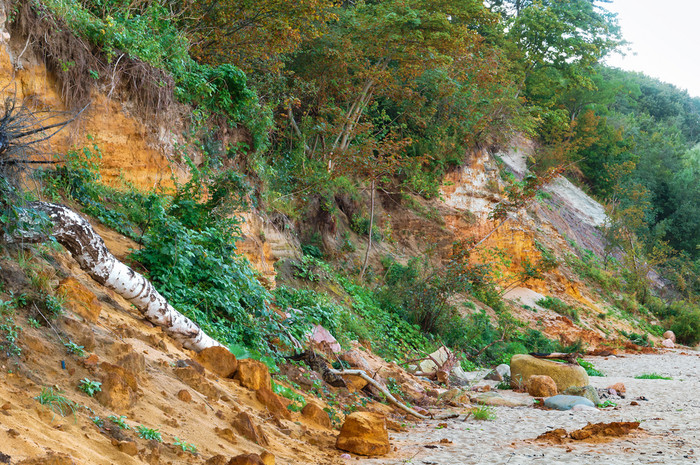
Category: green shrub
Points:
column 560, row 307
column 685, row 322
column 652, row 376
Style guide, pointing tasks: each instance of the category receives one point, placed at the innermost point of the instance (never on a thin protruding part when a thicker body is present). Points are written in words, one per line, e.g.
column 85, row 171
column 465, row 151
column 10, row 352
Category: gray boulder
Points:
column 564, row 402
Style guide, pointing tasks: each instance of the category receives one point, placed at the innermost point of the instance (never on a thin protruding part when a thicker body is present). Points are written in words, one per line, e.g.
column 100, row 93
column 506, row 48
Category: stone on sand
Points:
column 523, row 366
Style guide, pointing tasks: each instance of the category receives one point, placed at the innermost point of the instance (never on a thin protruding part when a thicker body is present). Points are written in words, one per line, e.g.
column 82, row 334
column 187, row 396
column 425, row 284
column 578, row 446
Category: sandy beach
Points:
column 669, row 430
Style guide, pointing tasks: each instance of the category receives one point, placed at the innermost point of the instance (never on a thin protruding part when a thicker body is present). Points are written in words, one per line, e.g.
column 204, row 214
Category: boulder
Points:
column 354, row 383
column 218, row 360
column 119, row 388
column 364, row 433
column 191, row 377
column 80, row 299
column 243, row 423
column 275, row 404
column 316, row 414
column 356, row 360
column 441, row 355
column 500, row 373
column 564, row 375
column 267, row 458
column 246, row 459
column 563, row 402
column 184, row 395
column 253, row 374
column 670, row 335
column 667, row 343
column 541, row 386
column 324, row 340
column 589, row 392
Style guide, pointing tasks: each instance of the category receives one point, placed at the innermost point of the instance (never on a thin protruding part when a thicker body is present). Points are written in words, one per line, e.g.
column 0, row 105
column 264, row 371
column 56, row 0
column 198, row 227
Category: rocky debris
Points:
column 364, row 433
column 593, row 432
column 668, row 343
column 128, row 447
column 246, row 459
column 316, row 414
column 355, row 359
column 354, row 383
column 300, row 375
column 79, row 332
column 119, row 388
column 218, row 360
column 589, row 392
column 455, row 397
column 217, row 460
column 669, row 335
column 134, row 362
column 253, row 374
column 619, row 389
column 458, row 377
column 564, row 402
column 541, row 386
column 267, row 458
column 564, row 375
column 52, row 458
column 191, row 377
column 495, row 399
column 184, row 395
column 323, row 340
column 79, row 299
column 243, row 423
column 275, row 404
column 500, row 373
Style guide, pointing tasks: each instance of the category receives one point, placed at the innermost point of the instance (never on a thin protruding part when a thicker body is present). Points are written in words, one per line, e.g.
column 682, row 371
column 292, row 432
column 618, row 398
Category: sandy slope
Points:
column 670, row 422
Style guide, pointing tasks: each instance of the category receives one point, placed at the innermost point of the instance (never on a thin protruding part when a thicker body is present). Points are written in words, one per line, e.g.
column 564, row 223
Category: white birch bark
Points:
column 76, row 234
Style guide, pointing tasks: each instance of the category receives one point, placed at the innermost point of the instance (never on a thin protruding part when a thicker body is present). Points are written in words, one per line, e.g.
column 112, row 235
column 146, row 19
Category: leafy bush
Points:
column 149, row 433
column 560, row 307
column 90, row 387
column 685, row 322
column 590, row 369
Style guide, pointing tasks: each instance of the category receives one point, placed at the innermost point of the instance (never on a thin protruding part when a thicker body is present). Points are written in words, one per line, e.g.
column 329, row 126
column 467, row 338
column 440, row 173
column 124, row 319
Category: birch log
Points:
column 76, row 234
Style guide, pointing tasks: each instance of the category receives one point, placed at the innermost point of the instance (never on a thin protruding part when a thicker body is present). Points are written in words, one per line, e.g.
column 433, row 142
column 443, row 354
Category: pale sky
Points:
column 665, row 35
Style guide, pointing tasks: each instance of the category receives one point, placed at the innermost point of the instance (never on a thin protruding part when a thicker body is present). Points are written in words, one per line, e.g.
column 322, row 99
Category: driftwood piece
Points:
column 569, row 357
column 390, row 397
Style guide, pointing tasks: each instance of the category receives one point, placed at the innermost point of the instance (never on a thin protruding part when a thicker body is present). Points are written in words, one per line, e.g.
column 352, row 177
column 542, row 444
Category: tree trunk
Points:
column 78, row 237
column 371, row 225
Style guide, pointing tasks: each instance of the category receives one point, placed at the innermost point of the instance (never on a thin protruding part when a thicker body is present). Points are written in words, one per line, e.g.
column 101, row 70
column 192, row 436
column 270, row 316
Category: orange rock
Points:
column 128, row 447
column 80, row 299
column 364, row 433
column 253, row 374
column 243, row 423
column 273, row 403
column 618, row 387
column 119, row 388
column 184, row 395
column 196, row 381
column 541, row 386
column 354, row 383
column 52, row 458
column 267, row 458
column 218, row 360
column 316, row 414
column 246, row 459
column 217, row 460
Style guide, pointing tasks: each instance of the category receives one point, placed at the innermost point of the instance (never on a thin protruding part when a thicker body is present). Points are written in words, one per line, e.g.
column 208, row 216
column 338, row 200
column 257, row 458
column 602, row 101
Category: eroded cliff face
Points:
column 130, row 151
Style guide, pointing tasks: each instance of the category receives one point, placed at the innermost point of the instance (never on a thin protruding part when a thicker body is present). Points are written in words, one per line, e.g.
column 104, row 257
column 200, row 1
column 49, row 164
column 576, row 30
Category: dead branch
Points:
column 390, row 397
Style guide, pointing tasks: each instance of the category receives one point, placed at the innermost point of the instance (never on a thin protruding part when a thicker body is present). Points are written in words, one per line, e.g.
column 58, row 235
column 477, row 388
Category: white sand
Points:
column 670, row 421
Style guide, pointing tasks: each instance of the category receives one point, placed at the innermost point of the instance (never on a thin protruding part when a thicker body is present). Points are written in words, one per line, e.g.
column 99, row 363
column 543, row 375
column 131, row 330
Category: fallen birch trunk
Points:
column 76, row 234
column 390, row 397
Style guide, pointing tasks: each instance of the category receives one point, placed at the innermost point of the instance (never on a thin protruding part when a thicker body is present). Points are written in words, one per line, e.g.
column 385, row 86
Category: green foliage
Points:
column 185, row 446
column 484, row 413
column 56, row 401
column 120, row 421
column 639, row 339
column 149, row 433
column 74, row 349
column 298, row 401
column 9, row 332
column 90, row 387
column 652, row 376
column 607, row 403
column 560, row 307
column 590, row 369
